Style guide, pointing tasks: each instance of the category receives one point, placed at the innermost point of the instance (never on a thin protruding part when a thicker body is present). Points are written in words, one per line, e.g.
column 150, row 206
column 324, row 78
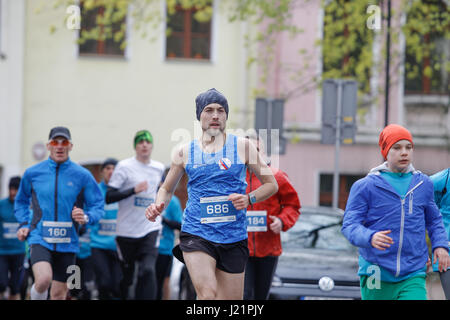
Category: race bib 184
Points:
column 257, row 221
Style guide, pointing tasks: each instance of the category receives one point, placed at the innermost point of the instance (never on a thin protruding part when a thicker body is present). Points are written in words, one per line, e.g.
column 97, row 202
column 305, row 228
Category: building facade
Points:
column 105, row 93
column 12, row 52
column 309, row 163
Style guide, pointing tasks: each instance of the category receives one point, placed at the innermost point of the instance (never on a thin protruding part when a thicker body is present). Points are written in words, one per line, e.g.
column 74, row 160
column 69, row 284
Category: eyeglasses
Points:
column 57, row 142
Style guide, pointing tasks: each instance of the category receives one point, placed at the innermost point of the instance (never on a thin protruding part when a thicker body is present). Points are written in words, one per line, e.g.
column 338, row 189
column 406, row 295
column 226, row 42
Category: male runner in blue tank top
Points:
column 213, row 238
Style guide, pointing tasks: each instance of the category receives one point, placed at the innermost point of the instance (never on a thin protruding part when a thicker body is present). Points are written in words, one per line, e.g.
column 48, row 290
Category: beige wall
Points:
column 12, row 21
column 104, row 101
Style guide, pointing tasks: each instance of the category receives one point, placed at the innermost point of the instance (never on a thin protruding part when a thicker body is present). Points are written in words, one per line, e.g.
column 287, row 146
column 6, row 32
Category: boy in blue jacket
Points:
column 387, row 215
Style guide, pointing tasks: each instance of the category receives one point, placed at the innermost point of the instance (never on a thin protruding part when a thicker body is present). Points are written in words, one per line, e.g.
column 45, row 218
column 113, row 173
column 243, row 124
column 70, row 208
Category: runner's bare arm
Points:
column 255, row 162
column 167, row 189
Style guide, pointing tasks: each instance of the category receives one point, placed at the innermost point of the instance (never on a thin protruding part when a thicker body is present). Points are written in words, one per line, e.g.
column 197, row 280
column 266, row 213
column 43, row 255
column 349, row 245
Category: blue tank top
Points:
column 212, row 178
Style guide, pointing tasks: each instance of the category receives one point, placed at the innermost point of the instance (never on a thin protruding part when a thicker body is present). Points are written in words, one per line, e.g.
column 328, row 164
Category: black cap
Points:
column 14, row 182
column 59, row 132
column 109, row 161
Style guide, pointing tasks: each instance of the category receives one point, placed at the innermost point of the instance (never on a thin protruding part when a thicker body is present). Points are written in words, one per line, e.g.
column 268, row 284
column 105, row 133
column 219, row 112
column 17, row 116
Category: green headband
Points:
column 142, row 135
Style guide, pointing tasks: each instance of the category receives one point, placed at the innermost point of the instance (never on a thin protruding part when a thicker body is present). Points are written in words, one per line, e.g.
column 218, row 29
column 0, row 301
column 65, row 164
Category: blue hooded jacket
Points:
column 9, row 244
column 53, row 190
column 103, row 233
column 374, row 205
column 441, row 182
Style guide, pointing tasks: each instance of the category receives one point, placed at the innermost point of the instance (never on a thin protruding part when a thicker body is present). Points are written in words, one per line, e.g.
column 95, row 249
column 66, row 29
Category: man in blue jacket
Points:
column 63, row 195
column 387, row 215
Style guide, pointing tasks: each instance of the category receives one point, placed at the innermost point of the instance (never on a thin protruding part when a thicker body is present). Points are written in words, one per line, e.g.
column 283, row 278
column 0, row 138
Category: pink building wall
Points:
column 306, row 159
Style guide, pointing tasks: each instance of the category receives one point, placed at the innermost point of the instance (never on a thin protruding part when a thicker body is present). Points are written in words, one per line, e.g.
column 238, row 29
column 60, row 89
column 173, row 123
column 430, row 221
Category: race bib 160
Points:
column 57, row 231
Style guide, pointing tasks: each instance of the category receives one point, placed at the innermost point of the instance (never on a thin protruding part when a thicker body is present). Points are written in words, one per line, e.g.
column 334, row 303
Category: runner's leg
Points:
column 58, row 291
column 445, row 281
column 42, row 272
column 16, row 272
column 250, row 282
column 202, row 270
column 230, row 286
column 146, row 281
column 126, row 250
column 413, row 288
column 265, row 269
column 63, row 264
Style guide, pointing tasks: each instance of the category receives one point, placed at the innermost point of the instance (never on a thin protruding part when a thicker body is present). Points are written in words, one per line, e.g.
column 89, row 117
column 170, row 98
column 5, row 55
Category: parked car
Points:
column 317, row 260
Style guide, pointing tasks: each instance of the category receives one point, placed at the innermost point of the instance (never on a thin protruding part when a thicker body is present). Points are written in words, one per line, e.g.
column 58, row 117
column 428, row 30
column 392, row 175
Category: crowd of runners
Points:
column 69, row 237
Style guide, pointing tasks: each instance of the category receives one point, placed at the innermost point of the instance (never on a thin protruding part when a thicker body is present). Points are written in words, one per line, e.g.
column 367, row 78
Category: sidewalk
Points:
column 434, row 288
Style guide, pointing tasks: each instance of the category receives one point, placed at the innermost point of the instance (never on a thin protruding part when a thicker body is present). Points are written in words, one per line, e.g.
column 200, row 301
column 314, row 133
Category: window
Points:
column 326, row 189
column 110, row 40
column 347, row 44
column 187, row 37
column 427, row 56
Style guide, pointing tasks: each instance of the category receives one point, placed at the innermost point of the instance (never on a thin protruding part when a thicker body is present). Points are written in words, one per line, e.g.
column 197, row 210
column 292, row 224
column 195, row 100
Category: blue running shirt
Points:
column 212, row 178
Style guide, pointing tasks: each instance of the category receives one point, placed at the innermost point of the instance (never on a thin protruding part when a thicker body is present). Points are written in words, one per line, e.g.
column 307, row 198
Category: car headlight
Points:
column 276, row 281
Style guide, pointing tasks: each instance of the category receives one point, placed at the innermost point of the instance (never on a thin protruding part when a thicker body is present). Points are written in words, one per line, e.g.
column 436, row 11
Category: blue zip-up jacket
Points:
column 103, row 233
column 374, row 205
column 9, row 244
column 53, row 190
column 441, row 180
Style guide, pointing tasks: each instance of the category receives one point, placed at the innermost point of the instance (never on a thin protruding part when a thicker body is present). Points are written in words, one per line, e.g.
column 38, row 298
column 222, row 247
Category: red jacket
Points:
column 285, row 204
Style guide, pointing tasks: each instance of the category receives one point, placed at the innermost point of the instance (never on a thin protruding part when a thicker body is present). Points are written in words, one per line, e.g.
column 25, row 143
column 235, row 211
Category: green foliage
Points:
column 347, row 42
column 346, row 46
column 427, row 32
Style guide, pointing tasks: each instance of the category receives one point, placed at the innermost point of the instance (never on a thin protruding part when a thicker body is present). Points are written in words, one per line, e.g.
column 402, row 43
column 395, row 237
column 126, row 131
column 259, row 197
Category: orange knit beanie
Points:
column 390, row 135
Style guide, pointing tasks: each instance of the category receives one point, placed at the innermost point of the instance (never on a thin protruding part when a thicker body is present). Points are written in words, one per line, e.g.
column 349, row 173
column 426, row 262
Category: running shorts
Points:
column 60, row 261
column 230, row 257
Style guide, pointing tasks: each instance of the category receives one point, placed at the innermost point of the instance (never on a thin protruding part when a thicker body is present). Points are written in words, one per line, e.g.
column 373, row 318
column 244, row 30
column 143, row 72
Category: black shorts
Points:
column 60, row 261
column 129, row 250
column 230, row 257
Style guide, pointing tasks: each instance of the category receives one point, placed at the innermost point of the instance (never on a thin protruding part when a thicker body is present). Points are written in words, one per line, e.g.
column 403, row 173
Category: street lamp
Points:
column 388, row 56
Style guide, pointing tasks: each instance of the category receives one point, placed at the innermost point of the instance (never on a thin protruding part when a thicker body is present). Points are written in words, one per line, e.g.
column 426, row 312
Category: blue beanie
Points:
column 208, row 97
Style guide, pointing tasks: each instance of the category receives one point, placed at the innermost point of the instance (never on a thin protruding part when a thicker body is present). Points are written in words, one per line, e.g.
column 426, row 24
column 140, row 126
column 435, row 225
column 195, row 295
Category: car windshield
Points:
column 316, row 230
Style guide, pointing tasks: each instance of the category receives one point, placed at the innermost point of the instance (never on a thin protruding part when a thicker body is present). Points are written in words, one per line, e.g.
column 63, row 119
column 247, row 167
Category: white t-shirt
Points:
column 131, row 220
